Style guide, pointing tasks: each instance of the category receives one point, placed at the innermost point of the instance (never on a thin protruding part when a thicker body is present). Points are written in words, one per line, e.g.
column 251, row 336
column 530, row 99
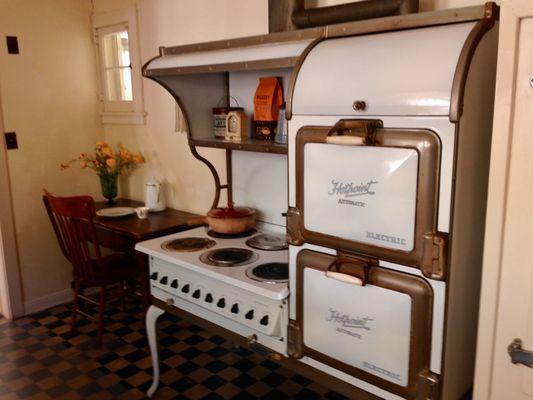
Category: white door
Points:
column 507, row 289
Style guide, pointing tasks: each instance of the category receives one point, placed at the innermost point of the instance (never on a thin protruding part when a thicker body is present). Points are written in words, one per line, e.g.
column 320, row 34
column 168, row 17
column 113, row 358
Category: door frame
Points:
column 511, row 14
column 11, row 299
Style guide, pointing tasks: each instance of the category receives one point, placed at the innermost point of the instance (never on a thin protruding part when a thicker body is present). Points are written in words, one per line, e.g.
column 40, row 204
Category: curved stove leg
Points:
column 152, row 315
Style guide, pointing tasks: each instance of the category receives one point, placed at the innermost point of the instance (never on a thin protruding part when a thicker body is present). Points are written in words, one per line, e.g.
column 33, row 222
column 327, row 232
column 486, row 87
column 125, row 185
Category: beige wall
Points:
column 166, row 22
column 49, row 99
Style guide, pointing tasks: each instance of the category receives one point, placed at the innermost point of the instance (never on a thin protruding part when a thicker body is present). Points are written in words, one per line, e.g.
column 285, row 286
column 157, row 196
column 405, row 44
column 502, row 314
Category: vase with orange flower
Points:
column 108, row 163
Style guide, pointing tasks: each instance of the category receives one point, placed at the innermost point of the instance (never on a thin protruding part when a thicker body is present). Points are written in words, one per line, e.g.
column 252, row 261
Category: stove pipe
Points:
column 300, row 17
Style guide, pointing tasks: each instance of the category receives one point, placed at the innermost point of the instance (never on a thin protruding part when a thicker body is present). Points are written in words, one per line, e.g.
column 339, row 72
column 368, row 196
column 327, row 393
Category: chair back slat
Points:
column 72, row 221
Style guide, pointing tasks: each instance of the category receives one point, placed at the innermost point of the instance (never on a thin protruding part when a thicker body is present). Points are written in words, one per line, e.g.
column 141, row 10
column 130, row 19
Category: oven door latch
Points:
column 435, row 255
column 354, row 132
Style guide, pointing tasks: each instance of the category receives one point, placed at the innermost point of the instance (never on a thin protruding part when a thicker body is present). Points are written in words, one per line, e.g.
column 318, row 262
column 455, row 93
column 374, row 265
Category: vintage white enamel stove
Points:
column 389, row 127
column 237, row 282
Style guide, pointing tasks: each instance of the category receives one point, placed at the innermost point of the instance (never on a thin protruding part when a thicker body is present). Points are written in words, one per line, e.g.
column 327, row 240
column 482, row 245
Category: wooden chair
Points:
column 72, row 220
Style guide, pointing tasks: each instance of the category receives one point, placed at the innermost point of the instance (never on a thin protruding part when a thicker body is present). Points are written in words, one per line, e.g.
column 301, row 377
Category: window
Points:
column 120, row 91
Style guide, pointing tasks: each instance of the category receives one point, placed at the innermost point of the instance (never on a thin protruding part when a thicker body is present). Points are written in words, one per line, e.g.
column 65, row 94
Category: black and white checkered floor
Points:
column 41, row 359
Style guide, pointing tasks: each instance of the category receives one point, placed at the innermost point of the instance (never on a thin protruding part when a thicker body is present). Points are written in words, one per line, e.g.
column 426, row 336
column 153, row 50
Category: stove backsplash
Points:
column 260, row 181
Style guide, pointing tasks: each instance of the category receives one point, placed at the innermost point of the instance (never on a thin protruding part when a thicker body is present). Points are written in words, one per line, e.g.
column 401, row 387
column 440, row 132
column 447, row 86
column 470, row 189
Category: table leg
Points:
column 152, row 315
column 143, row 263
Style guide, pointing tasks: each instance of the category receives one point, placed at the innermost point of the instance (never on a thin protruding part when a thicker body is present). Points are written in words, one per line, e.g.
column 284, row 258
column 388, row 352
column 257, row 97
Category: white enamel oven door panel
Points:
column 378, row 200
column 379, row 333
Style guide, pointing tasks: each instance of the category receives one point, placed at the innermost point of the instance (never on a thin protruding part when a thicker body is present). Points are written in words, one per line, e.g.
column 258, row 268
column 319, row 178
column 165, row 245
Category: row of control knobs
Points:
column 221, row 303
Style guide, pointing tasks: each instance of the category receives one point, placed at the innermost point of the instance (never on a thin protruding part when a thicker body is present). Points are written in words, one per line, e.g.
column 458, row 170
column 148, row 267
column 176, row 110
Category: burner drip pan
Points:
column 218, row 235
column 274, row 272
column 267, row 241
column 189, row 244
column 229, row 257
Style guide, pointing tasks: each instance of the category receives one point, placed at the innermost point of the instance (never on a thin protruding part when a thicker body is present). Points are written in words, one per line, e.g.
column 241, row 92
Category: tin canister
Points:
column 220, row 114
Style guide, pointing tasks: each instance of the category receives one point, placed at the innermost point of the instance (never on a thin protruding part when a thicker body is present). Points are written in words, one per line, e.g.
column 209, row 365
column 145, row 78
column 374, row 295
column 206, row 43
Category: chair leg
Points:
column 101, row 309
column 74, row 307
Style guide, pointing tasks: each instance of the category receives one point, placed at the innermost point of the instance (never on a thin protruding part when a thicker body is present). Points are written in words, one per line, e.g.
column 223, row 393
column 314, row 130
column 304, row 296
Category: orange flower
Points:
column 101, row 144
column 138, row 158
column 111, row 162
column 125, row 154
column 82, row 156
column 83, row 164
column 108, row 151
column 63, row 166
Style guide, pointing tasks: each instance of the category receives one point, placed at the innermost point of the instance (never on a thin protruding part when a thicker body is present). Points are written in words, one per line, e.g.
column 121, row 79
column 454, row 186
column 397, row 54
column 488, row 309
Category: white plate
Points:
column 115, row 212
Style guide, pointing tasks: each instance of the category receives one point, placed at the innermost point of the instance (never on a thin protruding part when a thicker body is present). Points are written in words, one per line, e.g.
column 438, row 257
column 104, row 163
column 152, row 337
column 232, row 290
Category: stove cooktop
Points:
column 273, row 272
column 235, row 275
column 188, row 244
column 229, row 257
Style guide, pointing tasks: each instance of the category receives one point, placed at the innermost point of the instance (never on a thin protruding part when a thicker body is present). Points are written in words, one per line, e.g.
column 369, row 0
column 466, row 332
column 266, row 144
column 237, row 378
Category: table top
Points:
column 157, row 224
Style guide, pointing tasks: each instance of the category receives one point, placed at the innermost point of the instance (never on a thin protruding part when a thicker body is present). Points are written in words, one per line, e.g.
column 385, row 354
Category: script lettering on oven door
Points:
column 347, row 323
column 348, row 190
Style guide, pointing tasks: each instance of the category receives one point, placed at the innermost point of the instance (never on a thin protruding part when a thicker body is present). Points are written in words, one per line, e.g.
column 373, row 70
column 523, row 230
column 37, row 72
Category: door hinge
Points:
column 294, row 340
column 428, row 383
column 294, row 233
column 435, row 255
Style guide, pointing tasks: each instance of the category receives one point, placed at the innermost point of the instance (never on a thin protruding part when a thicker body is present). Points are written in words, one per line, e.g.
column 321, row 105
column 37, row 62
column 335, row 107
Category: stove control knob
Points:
column 235, row 308
column 153, row 276
column 264, row 320
column 221, row 303
column 186, row 288
column 249, row 314
column 174, row 284
column 164, row 280
column 208, row 298
column 196, row 294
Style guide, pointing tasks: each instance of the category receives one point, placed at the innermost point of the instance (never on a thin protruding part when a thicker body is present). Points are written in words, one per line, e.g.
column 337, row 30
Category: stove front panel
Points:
column 261, row 314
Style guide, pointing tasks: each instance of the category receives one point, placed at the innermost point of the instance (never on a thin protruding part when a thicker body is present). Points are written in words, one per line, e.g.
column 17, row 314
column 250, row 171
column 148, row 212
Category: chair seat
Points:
column 113, row 268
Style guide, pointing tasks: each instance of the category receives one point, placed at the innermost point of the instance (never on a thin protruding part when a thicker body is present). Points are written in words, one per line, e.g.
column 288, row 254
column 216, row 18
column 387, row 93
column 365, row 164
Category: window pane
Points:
column 115, row 49
column 119, row 86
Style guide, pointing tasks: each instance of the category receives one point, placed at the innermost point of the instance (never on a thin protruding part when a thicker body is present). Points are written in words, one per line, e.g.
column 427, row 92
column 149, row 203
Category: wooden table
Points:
column 121, row 234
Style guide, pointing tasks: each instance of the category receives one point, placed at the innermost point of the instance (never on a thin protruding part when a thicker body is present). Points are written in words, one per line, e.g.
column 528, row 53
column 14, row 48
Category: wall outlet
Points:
column 11, row 140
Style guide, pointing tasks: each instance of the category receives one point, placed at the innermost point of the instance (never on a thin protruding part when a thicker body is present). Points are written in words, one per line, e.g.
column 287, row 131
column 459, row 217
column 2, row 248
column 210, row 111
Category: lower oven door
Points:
column 369, row 322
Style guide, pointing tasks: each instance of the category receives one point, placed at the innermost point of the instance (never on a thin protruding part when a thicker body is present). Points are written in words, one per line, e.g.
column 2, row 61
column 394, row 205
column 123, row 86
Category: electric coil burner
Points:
column 188, row 244
column 265, row 241
column 274, row 272
column 219, row 235
column 229, row 257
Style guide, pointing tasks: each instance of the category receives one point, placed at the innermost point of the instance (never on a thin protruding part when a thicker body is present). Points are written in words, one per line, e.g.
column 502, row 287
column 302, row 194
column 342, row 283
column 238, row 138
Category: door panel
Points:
column 508, row 264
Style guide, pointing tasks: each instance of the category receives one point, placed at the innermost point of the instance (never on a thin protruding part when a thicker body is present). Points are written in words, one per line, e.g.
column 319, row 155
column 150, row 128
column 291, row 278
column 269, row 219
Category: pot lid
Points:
column 231, row 212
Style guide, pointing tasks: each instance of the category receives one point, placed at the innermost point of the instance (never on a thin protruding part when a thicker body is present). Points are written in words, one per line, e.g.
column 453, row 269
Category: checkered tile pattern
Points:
column 41, row 359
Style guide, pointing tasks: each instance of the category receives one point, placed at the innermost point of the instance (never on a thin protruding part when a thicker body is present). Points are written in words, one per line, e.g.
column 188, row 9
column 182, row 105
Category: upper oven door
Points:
column 366, row 189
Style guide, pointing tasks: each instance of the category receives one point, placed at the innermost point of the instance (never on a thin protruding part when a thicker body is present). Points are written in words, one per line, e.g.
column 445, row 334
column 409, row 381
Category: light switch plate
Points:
column 12, row 45
column 11, row 140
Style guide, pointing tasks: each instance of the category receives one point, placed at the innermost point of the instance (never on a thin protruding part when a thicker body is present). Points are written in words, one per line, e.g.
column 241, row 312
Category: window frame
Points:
column 122, row 111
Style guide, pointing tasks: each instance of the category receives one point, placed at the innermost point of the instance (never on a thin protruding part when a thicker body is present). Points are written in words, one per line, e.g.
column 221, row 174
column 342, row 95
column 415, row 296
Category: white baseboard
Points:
column 50, row 300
